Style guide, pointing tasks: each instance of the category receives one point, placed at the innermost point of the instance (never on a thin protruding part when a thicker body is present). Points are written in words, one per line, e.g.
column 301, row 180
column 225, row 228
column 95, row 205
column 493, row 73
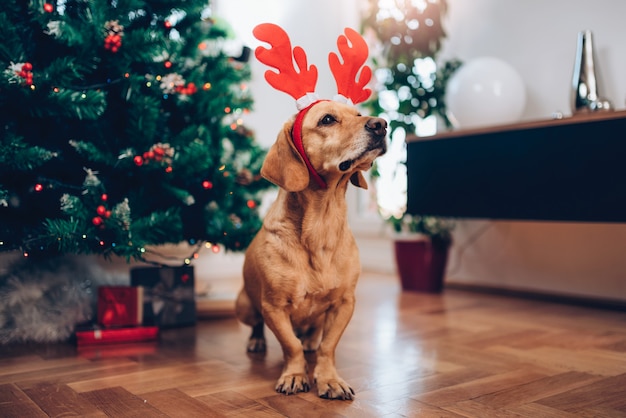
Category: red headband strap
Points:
column 296, row 135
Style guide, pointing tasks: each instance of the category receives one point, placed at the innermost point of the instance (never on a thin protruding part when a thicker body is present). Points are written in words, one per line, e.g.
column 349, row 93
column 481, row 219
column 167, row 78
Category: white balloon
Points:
column 485, row 91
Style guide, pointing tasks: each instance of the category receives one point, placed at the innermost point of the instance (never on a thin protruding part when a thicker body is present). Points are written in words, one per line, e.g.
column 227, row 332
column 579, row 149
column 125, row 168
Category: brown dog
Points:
column 301, row 269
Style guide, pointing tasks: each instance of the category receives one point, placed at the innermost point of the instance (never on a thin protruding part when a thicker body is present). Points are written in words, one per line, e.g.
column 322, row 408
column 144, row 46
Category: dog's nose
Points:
column 377, row 126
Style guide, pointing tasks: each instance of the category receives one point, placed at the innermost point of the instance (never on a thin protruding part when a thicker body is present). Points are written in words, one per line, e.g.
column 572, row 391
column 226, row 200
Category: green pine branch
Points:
column 16, row 154
column 80, row 105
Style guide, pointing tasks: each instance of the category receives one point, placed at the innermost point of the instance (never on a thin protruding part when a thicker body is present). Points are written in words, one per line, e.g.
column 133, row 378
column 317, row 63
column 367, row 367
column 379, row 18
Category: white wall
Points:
column 537, row 37
column 574, row 259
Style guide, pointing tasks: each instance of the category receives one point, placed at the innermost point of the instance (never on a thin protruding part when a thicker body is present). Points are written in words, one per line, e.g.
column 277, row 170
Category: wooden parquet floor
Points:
column 459, row 354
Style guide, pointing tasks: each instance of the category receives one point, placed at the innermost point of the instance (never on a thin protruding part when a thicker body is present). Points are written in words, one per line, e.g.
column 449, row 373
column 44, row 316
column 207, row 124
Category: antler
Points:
column 296, row 82
column 354, row 57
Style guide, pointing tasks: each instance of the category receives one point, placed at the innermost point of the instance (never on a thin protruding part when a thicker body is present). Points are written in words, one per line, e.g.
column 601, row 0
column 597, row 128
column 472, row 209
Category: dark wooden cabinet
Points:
column 571, row 169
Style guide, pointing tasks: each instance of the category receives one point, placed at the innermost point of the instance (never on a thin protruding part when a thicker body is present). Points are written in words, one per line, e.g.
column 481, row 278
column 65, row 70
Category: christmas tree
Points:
column 121, row 129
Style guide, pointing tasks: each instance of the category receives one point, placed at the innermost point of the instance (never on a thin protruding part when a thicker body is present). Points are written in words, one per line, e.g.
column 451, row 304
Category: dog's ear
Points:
column 358, row 180
column 283, row 165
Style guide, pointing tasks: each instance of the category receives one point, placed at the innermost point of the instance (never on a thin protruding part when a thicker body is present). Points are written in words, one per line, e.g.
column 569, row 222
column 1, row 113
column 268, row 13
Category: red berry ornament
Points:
column 97, row 221
column 114, row 32
column 138, row 160
column 101, row 210
column 161, row 153
column 26, row 72
column 188, row 90
column 113, row 42
column 48, row 8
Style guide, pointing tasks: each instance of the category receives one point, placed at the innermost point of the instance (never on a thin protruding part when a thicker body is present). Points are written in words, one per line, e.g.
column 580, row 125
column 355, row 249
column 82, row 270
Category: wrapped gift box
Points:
column 168, row 295
column 120, row 306
column 96, row 335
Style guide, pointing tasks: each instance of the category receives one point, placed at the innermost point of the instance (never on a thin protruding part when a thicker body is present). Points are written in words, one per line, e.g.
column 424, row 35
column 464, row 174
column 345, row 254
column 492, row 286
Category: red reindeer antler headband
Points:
column 296, row 78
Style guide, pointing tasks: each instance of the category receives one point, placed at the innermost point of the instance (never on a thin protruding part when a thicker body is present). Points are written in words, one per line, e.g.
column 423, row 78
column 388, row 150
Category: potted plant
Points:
column 421, row 248
column 407, row 36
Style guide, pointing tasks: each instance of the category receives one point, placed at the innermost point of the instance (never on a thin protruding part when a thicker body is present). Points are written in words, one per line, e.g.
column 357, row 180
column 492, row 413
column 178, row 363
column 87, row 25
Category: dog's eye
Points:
column 328, row 120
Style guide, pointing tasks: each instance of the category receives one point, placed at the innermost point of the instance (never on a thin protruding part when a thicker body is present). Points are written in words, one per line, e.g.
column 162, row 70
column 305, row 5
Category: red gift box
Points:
column 95, row 351
column 96, row 335
column 120, row 306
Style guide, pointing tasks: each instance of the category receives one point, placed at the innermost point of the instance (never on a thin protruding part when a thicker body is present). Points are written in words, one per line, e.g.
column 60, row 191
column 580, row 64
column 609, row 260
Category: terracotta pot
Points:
column 421, row 264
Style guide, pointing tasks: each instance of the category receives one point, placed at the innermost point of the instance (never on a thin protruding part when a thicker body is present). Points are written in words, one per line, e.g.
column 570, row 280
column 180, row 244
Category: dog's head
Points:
column 338, row 141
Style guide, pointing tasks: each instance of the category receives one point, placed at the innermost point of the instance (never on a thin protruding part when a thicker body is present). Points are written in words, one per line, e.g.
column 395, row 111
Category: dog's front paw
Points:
column 335, row 389
column 293, row 383
column 256, row 345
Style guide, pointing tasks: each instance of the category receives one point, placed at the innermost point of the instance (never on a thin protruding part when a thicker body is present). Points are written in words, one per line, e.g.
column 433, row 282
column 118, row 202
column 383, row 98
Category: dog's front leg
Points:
column 294, row 377
column 329, row 384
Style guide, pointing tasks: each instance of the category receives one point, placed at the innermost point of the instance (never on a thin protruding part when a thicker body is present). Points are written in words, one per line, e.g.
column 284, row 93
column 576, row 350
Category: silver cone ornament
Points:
column 585, row 91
